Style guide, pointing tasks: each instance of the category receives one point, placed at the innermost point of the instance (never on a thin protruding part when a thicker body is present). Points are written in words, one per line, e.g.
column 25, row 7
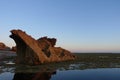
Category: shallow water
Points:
column 71, row 70
column 79, row 71
column 89, row 74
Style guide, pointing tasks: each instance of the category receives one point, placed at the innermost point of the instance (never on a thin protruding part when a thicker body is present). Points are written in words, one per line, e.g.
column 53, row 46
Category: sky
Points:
column 78, row 25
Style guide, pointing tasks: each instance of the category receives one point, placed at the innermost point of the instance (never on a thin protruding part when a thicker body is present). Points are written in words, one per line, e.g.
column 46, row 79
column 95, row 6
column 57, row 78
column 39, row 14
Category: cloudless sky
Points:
column 79, row 25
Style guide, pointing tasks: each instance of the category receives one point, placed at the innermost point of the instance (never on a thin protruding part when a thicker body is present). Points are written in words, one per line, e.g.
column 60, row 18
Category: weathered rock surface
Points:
column 31, row 51
column 4, row 47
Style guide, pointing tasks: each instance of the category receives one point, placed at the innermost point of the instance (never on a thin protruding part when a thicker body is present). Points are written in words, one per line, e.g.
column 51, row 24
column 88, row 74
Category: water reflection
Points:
column 57, row 66
column 46, row 71
column 33, row 76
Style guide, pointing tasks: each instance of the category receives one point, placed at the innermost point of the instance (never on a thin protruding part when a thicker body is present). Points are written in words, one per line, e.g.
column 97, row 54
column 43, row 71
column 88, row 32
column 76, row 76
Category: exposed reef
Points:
column 43, row 50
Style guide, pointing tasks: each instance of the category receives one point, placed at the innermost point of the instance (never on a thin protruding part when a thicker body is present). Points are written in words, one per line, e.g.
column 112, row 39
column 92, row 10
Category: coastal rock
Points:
column 43, row 50
column 4, row 47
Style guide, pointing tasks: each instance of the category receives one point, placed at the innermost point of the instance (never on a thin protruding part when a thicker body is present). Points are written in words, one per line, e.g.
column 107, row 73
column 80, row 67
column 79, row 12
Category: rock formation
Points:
column 4, row 47
column 43, row 50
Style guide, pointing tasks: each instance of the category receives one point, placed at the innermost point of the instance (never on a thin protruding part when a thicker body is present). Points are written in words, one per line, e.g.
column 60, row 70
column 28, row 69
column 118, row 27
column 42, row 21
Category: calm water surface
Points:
column 52, row 72
column 61, row 71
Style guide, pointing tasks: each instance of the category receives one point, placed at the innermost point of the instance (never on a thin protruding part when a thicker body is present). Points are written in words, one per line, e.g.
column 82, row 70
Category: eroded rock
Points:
column 43, row 50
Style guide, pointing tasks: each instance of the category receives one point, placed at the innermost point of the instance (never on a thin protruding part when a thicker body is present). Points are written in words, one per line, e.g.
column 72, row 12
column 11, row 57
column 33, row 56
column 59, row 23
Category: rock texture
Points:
column 43, row 50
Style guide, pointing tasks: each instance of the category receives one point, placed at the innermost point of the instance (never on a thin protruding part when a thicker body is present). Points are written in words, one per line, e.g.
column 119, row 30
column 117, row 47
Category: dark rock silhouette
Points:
column 31, row 51
column 33, row 76
column 4, row 47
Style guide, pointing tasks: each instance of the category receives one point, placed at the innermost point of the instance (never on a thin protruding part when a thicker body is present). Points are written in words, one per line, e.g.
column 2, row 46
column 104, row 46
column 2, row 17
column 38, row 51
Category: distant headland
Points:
column 4, row 47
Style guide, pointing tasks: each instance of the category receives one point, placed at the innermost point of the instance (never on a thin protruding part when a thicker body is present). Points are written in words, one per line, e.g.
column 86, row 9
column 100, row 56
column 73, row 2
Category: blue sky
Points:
column 79, row 25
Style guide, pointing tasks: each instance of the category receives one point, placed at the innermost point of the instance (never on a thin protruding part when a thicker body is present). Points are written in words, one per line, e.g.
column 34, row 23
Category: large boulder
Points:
column 43, row 50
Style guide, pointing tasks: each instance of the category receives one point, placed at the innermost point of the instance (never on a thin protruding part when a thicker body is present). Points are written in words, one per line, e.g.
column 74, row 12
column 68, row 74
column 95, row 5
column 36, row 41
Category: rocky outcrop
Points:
column 43, row 50
column 4, row 47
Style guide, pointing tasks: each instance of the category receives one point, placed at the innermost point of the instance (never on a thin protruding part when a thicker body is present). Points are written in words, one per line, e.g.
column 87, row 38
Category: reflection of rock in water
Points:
column 33, row 76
